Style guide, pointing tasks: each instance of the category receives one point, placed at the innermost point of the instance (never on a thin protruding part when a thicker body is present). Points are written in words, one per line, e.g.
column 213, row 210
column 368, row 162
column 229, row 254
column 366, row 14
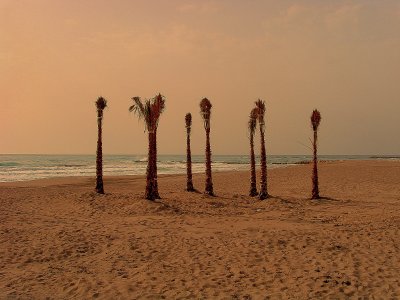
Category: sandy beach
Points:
column 60, row 240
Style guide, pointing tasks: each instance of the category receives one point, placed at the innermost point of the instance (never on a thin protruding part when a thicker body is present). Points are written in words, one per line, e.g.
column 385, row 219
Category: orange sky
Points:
column 58, row 56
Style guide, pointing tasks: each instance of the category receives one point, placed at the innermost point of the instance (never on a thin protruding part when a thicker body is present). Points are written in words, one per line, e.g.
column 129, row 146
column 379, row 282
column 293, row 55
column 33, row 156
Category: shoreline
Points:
column 14, row 169
column 75, row 178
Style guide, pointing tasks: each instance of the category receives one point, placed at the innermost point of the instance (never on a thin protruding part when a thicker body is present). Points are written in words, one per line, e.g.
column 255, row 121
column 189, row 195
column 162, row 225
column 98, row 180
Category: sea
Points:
column 18, row 167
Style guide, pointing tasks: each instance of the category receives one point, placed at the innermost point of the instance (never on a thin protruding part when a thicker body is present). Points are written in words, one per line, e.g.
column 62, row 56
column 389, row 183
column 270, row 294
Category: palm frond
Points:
column 205, row 111
column 205, row 108
column 147, row 116
column 205, row 105
column 142, row 111
column 260, row 106
column 252, row 121
column 137, row 106
column 304, row 145
column 315, row 119
column 101, row 103
column 157, row 107
column 260, row 112
column 159, row 102
column 188, row 119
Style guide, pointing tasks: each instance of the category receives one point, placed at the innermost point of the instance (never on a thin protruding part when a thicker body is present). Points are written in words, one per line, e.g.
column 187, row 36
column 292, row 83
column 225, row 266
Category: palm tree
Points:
column 150, row 111
column 260, row 107
column 205, row 110
column 252, row 129
column 315, row 121
column 143, row 111
column 101, row 104
column 189, row 184
column 158, row 106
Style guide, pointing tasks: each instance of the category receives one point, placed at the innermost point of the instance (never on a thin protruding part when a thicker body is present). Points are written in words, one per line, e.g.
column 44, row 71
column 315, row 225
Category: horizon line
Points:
column 239, row 154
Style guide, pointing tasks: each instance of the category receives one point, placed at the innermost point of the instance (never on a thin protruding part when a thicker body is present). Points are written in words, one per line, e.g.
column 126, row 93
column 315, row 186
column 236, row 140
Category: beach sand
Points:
column 60, row 240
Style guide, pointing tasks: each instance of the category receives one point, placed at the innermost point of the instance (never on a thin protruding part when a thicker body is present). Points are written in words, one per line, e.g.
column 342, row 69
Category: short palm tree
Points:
column 143, row 111
column 252, row 129
column 315, row 121
column 260, row 107
column 205, row 110
column 150, row 111
column 101, row 104
column 189, row 183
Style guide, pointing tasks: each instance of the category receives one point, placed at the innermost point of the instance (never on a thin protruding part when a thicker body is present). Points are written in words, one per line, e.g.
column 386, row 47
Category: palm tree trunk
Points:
column 155, row 182
column 149, row 195
column 99, row 154
column 315, row 190
column 263, row 188
column 189, row 183
column 253, row 184
column 209, row 185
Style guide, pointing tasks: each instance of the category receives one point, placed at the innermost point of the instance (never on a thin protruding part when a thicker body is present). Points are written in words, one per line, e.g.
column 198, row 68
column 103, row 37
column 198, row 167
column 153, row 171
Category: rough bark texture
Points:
column 155, row 181
column 149, row 194
column 209, row 185
column 150, row 111
column 99, row 154
column 315, row 190
column 253, row 183
column 189, row 183
column 263, row 187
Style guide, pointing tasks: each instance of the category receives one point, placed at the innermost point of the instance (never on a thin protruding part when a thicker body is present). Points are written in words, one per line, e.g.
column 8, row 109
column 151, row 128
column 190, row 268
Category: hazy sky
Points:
column 58, row 56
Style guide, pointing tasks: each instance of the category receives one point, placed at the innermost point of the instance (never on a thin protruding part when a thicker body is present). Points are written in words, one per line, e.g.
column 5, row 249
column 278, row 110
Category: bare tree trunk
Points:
column 149, row 195
column 263, row 188
column 99, row 154
column 155, row 181
column 315, row 190
column 253, row 184
column 189, row 183
column 209, row 185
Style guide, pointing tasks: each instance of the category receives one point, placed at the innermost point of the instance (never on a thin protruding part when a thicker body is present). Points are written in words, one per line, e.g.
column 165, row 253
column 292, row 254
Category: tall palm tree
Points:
column 260, row 107
column 158, row 107
column 252, row 129
column 101, row 104
column 150, row 111
column 315, row 121
column 205, row 110
column 189, row 183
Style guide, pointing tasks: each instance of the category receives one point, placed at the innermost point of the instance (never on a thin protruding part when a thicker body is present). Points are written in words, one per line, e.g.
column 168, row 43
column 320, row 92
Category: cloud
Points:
column 72, row 22
column 295, row 11
column 398, row 10
column 204, row 7
column 315, row 21
column 346, row 16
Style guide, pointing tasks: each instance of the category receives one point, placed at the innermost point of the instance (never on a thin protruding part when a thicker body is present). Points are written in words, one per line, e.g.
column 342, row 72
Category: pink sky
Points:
column 342, row 57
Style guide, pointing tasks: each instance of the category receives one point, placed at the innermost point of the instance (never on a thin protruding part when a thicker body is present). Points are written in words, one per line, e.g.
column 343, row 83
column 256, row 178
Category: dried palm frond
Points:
column 205, row 111
column 137, row 105
column 142, row 111
column 253, row 121
column 188, row 119
column 157, row 108
column 315, row 119
column 101, row 103
column 260, row 106
column 205, row 108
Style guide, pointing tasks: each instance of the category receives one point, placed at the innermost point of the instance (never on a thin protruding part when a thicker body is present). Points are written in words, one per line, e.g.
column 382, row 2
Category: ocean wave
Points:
column 28, row 167
column 390, row 157
column 9, row 164
column 71, row 165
